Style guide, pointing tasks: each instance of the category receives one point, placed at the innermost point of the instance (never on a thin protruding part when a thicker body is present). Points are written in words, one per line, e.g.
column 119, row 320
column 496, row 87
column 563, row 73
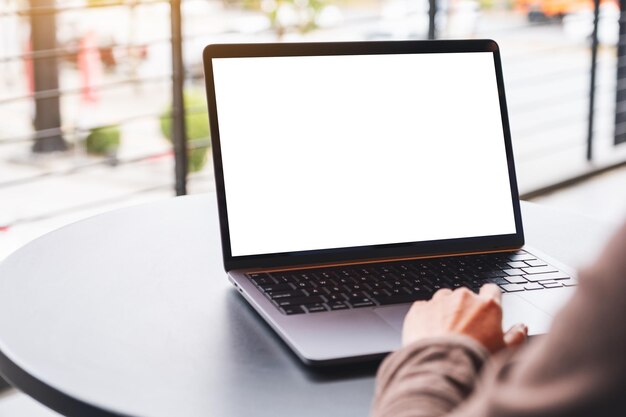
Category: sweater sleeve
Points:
column 428, row 378
column 577, row 369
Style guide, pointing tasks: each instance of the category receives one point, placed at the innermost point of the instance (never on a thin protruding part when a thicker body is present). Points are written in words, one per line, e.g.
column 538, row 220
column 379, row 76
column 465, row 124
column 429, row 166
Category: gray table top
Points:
column 130, row 313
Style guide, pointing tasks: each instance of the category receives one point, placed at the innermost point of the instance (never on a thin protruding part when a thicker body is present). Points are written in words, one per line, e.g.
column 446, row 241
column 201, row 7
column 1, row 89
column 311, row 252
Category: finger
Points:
column 415, row 306
column 442, row 293
column 463, row 291
column 516, row 335
column 491, row 291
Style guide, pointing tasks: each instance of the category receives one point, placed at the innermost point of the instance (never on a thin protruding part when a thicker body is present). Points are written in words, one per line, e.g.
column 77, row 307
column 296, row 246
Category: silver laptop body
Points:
column 354, row 155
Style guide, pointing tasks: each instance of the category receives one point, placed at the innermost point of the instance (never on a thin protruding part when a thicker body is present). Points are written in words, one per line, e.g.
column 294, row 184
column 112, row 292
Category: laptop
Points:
column 354, row 178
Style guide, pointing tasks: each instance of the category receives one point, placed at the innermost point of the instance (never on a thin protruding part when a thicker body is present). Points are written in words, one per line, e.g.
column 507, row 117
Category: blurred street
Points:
column 546, row 71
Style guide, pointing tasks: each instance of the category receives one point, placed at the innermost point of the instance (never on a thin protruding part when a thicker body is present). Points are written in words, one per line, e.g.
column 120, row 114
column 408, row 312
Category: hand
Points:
column 478, row 316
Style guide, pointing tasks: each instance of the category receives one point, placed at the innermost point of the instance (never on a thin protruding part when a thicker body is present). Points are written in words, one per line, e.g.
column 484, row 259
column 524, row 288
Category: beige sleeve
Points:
column 577, row 369
column 428, row 378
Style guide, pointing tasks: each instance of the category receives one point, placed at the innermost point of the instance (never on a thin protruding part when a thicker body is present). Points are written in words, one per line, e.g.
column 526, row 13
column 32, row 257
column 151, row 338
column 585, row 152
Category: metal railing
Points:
column 178, row 75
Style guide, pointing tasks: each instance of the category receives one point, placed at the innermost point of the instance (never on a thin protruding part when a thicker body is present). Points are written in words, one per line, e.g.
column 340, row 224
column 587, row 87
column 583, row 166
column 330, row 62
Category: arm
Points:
column 429, row 377
column 445, row 342
column 578, row 369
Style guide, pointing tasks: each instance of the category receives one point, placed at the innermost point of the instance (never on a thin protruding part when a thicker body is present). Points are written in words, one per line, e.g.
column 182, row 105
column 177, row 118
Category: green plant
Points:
column 103, row 140
column 303, row 14
column 197, row 128
column 486, row 4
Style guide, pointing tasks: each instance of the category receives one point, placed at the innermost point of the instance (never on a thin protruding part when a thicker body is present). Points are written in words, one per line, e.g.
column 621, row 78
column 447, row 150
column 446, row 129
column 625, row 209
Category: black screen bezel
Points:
column 423, row 248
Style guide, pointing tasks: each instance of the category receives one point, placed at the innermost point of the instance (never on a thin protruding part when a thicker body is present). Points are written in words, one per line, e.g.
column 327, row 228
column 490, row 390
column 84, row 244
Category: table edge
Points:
column 47, row 395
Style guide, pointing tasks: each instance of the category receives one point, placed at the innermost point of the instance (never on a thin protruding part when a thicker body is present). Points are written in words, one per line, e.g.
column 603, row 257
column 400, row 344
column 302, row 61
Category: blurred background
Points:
column 91, row 91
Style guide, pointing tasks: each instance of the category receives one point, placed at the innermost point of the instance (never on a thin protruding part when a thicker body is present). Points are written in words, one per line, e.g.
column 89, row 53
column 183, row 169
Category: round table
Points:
column 130, row 313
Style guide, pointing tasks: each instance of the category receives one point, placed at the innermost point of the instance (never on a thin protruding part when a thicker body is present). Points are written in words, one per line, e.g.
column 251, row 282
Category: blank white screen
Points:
column 341, row 151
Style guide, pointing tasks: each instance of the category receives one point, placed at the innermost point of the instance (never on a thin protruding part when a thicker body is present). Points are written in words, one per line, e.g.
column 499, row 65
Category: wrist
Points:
column 449, row 340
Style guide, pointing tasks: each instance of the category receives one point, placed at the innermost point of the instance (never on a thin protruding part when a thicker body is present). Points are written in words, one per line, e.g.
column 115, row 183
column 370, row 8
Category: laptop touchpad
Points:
column 393, row 315
column 515, row 310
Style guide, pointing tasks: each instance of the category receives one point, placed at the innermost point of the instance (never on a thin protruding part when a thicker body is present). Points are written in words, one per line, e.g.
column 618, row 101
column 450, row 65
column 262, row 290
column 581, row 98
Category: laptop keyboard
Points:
column 315, row 290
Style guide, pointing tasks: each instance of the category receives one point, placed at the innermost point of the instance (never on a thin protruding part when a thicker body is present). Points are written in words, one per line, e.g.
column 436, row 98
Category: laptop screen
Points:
column 325, row 152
